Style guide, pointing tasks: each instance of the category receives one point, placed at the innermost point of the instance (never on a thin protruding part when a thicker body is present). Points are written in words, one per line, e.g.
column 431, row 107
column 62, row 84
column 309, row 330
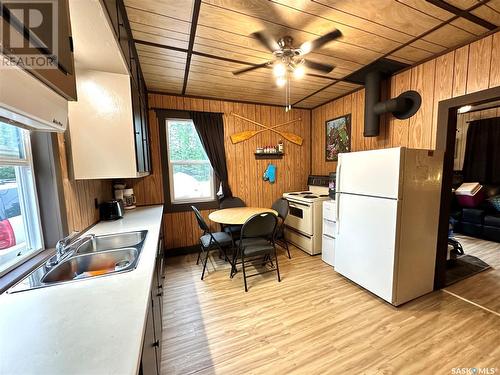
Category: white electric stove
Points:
column 304, row 220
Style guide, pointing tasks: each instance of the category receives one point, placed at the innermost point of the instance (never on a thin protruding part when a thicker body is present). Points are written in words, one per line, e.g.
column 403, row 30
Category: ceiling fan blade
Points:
column 266, row 40
column 318, row 66
column 319, row 42
column 250, row 68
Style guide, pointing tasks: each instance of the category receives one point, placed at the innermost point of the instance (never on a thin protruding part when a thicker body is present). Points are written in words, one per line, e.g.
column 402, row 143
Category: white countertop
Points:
column 90, row 326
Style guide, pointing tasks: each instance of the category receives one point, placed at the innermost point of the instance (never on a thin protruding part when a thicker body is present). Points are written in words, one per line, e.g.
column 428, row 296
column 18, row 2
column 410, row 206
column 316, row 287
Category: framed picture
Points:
column 338, row 137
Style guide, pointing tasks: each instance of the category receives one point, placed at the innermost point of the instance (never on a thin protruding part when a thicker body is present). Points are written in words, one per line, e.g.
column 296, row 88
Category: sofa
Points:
column 482, row 221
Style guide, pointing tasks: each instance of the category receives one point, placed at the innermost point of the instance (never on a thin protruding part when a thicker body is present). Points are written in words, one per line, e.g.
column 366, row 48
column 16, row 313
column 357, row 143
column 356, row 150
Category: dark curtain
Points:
column 482, row 152
column 210, row 128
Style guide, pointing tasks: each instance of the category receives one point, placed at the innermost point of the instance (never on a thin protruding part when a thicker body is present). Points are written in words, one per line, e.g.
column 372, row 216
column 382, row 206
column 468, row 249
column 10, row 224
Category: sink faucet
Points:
column 63, row 246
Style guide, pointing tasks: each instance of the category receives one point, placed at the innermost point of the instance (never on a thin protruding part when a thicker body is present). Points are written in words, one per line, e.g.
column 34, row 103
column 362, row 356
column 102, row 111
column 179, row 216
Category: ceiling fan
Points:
column 289, row 59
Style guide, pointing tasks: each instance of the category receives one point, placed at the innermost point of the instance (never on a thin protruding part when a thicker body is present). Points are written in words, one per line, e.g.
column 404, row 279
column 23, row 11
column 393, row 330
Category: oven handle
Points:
column 293, row 203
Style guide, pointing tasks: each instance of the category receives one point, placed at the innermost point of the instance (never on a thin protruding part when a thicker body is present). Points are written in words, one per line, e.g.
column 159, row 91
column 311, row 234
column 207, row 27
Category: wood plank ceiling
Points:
column 190, row 47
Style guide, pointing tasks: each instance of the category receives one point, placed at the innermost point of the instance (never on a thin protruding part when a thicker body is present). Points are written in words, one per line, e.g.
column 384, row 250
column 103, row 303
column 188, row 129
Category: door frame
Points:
column 445, row 141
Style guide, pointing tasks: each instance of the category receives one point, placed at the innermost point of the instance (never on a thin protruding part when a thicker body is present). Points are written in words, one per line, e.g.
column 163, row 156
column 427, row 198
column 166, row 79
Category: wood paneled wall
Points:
column 79, row 195
column 245, row 173
column 468, row 69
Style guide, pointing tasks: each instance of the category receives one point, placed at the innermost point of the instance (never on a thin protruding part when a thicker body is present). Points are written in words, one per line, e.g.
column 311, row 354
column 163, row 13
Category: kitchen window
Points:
column 20, row 229
column 191, row 177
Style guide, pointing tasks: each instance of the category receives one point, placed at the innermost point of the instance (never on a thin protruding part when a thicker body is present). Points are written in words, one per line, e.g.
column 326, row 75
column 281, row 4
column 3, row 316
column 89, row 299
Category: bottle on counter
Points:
column 280, row 146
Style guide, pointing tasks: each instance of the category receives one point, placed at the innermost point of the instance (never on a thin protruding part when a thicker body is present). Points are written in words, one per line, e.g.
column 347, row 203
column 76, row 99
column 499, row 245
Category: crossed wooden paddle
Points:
column 243, row 136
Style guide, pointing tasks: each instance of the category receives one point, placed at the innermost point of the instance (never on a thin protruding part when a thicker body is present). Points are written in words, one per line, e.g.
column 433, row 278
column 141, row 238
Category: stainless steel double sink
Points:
column 94, row 257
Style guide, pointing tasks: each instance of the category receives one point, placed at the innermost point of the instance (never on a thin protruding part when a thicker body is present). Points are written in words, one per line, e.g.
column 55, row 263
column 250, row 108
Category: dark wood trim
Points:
column 479, row 37
column 310, row 143
column 418, row 37
column 154, row 92
column 413, row 41
column 135, row 55
column 463, row 13
column 192, row 35
column 221, row 58
column 445, row 141
column 158, row 45
column 458, row 46
column 162, row 115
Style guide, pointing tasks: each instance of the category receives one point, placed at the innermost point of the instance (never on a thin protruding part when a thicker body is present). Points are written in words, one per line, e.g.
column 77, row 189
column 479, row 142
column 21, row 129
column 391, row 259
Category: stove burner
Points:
column 293, row 193
column 324, row 195
column 306, row 192
column 310, row 196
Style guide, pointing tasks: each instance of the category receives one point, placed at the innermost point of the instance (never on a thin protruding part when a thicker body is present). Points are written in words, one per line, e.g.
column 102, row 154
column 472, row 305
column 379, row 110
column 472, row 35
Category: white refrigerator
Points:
column 387, row 220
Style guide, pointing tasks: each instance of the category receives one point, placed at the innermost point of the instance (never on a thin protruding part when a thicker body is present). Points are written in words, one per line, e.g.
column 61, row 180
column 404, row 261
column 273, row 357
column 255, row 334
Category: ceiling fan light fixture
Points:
column 279, row 69
column 280, row 81
column 305, row 48
column 299, row 72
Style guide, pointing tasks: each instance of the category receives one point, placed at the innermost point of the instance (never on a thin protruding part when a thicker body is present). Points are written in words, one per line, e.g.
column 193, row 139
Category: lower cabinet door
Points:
column 149, row 365
column 157, row 319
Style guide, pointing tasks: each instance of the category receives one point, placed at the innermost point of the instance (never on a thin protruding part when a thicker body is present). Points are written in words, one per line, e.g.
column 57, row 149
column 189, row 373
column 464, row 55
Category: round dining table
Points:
column 237, row 215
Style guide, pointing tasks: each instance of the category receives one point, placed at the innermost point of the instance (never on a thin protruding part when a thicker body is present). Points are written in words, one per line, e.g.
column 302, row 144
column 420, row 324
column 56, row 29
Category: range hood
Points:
column 26, row 102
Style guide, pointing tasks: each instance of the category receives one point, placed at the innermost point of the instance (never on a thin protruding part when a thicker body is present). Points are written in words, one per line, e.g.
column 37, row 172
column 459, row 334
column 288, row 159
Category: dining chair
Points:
column 257, row 243
column 282, row 207
column 210, row 241
column 232, row 202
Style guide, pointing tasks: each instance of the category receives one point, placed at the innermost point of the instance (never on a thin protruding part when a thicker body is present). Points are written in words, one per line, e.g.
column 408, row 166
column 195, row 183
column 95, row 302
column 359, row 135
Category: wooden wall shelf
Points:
column 274, row 155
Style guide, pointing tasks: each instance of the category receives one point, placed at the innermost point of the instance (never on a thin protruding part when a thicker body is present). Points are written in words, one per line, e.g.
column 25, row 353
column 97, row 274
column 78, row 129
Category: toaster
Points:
column 111, row 210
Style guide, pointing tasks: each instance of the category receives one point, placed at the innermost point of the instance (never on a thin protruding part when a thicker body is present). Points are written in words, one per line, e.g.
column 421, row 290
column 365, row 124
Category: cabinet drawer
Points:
column 330, row 210
column 328, row 250
column 329, row 227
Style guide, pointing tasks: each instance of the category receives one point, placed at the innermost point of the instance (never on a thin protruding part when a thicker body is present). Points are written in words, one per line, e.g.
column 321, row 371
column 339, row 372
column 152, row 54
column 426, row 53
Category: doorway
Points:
column 461, row 218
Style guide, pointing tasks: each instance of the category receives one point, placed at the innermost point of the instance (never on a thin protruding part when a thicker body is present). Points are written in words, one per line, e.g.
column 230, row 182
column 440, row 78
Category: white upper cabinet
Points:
column 107, row 125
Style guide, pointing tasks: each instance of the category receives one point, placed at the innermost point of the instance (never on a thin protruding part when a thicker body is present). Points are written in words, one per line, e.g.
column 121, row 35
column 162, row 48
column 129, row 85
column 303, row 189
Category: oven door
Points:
column 300, row 217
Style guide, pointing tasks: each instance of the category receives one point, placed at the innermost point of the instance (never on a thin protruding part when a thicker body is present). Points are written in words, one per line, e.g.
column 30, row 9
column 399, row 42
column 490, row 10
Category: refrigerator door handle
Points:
column 337, row 194
column 337, row 208
column 339, row 168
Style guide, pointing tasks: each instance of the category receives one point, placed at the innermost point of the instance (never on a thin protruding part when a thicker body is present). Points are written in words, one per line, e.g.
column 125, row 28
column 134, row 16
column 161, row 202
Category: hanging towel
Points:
column 270, row 173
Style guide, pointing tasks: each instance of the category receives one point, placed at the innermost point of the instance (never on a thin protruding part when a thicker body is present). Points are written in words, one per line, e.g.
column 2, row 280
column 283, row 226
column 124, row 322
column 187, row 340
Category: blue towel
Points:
column 270, row 173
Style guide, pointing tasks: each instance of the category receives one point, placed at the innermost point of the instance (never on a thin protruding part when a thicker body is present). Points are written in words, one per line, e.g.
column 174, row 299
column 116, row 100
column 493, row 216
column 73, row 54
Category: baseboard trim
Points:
column 181, row 251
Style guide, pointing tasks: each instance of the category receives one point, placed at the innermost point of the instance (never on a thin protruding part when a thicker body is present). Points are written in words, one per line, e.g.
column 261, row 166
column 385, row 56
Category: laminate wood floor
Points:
column 484, row 287
column 314, row 322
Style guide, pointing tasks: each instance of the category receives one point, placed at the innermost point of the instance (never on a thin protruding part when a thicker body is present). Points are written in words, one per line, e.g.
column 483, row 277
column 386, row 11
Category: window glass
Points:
column 11, row 142
column 20, row 233
column 191, row 175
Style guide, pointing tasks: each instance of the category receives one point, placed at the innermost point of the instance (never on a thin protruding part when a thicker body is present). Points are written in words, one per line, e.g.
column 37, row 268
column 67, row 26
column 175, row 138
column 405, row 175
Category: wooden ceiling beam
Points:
column 221, row 58
column 464, row 13
column 192, row 35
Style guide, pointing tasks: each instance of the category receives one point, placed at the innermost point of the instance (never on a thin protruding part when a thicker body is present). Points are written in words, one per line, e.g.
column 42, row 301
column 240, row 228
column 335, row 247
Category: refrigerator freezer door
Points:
column 366, row 241
column 374, row 173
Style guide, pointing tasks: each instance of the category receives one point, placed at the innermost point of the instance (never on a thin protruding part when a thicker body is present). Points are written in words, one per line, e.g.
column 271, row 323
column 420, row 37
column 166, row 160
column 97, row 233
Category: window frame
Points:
column 171, row 164
column 163, row 115
column 26, row 161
